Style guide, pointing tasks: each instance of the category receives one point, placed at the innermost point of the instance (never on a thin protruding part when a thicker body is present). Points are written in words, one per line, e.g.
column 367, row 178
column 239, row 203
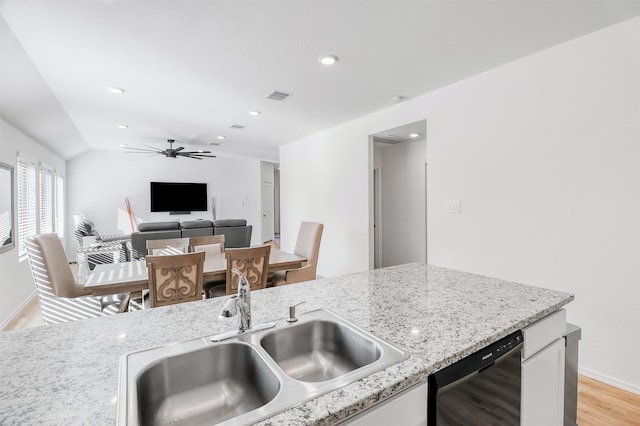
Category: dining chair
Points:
column 62, row 299
column 252, row 262
column 175, row 278
column 308, row 246
column 209, row 244
column 168, row 246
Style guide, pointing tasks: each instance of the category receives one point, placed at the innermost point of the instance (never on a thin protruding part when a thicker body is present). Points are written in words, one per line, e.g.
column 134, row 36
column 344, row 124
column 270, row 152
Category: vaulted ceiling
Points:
column 193, row 69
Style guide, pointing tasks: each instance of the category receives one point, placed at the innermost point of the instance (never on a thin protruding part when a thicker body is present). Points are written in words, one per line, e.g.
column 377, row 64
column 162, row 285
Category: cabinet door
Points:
column 543, row 387
column 406, row 409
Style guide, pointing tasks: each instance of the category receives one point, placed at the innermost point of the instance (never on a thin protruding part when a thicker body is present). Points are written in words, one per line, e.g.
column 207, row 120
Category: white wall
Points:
column 543, row 154
column 402, row 174
column 16, row 283
column 323, row 179
column 99, row 181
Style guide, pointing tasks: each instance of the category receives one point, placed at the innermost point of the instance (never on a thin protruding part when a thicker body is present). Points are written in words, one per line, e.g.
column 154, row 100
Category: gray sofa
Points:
column 164, row 230
column 236, row 232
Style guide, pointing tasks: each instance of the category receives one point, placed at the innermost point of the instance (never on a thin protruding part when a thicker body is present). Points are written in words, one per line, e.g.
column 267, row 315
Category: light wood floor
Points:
column 602, row 405
column 599, row 404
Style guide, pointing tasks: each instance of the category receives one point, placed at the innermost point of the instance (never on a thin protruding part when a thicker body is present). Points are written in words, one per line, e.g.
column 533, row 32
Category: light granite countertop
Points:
column 67, row 374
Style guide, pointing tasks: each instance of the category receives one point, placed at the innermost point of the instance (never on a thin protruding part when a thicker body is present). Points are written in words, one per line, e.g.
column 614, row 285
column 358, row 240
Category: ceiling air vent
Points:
column 279, row 96
column 237, row 127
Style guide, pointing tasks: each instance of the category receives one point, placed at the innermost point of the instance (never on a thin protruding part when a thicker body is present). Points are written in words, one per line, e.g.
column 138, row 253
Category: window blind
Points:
column 60, row 205
column 46, row 200
column 27, row 220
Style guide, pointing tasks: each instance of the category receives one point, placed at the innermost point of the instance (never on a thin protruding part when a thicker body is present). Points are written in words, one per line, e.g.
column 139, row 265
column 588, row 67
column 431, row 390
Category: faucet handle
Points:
column 292, row 312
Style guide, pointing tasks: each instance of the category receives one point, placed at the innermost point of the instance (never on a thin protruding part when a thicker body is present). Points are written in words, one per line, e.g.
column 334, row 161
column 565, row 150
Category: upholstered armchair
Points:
column 95, row 249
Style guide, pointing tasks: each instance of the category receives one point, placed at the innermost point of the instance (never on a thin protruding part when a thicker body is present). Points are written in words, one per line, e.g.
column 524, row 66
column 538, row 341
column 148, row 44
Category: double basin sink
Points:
column 249, row 377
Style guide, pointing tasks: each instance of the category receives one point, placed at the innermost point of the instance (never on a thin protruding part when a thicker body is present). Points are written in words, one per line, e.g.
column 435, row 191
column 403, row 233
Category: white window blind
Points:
column 27, row 220
column 60, row 205
column 46, row 200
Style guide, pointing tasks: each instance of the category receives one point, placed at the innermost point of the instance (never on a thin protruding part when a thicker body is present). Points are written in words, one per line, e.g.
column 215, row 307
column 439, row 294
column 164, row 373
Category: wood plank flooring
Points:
column 599, row 404
column 602, row 405
column 29, row 316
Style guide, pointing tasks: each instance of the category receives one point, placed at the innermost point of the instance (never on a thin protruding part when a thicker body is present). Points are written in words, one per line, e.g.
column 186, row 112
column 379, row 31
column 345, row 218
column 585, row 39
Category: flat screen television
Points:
column 177, row 197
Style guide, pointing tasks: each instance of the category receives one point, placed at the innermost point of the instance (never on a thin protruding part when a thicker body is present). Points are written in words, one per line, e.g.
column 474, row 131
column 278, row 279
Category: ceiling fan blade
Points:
column 191, row 156
column 183, row 154
column 143, row 150
column 153, row 147
column 196, row 152
column 180, row 148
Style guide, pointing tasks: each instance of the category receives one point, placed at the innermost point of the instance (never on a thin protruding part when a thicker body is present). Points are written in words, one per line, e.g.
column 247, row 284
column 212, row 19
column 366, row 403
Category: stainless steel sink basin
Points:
column 320, row 350
column 250, row 377
column 203, row 386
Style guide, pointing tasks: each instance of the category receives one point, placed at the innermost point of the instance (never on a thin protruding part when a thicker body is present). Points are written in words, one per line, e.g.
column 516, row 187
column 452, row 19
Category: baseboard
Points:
column 620, row 384
column 17, row 311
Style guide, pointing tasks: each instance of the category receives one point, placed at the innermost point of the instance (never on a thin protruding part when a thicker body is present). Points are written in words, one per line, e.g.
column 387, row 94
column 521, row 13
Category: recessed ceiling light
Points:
column 123, row 145
column 221, row 137
column 328, row 59
column 414, row 135
column 254, row 113
column 122, row 126
column 116, row 90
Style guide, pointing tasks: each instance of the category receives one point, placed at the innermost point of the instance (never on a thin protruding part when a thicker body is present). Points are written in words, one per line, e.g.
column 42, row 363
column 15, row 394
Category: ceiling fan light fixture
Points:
column 328, row 59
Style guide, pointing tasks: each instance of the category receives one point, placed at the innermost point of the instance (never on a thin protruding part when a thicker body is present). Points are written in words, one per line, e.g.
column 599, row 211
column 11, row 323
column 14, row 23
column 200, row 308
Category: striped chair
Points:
column 62, row 299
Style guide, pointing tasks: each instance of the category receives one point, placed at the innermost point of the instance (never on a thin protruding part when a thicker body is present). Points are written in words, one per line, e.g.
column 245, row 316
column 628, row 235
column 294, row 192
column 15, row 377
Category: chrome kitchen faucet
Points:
column 240, row 305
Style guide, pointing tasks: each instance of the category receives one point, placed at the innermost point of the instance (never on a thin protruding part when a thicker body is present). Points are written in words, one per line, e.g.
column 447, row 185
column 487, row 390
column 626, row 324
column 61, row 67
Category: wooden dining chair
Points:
column 308, row 246
column 252, row 262
column 208, row 244
column 168, row 246
column 175, row 278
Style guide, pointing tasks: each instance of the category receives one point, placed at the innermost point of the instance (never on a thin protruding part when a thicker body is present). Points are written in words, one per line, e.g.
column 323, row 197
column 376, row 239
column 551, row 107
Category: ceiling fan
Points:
column 171, row 152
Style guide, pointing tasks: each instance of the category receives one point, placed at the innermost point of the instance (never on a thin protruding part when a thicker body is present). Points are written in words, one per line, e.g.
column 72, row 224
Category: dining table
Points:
column 131, row 277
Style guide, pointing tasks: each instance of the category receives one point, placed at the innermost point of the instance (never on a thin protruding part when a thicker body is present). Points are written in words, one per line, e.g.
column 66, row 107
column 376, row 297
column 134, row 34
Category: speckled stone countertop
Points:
column 68, row 374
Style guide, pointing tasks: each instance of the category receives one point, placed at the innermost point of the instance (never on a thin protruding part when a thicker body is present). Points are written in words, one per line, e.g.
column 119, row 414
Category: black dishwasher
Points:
column 482, row 389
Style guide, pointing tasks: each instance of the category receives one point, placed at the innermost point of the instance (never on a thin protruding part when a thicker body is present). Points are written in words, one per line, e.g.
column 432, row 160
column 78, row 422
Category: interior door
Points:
column 267, row 211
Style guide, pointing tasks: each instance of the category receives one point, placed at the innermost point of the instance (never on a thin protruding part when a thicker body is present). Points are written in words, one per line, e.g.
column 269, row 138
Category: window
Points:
column 46, row 199
column 27, row 220
column 60, row 205
column 40, row 201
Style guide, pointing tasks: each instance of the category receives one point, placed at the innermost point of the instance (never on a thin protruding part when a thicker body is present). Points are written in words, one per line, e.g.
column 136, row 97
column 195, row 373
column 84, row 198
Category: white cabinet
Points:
column 406, row 409
column 543, row 372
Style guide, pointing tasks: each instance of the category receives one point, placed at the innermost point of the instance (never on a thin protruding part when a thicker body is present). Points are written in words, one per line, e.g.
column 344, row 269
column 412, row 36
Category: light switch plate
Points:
column 453, row 206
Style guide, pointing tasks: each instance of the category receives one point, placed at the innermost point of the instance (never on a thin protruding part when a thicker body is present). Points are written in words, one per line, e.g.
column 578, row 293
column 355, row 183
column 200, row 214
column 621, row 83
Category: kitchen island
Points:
column 68, row 374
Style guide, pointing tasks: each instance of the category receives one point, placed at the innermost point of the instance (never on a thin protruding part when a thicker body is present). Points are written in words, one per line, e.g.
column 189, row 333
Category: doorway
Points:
column 399, row 196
